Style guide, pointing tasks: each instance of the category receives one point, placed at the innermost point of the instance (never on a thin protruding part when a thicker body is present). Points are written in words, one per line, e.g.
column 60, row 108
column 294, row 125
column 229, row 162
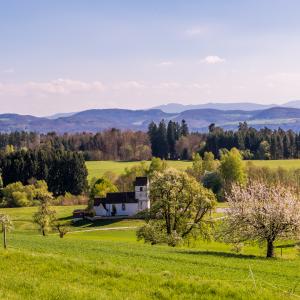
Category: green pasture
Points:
column 112, row 264
column 98, row 168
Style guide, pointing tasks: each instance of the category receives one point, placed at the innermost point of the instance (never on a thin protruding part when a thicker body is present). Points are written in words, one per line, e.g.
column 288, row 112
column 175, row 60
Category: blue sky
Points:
column 70, row 55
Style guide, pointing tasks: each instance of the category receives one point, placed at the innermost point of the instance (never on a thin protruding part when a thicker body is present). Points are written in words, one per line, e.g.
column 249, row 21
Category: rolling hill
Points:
column 247, row 106
column 178, row 108
column 198, row 119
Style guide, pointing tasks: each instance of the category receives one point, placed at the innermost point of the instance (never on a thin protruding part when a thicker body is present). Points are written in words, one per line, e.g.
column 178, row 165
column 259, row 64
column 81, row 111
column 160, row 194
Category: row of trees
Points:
column 110, row 144
column 63, row 171
column 173, row 140
column 170, row 140
column 254, row 144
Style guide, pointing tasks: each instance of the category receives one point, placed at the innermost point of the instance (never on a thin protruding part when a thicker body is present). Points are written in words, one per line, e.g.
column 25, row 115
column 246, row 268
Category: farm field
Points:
column 111, row 264
column 98, row 168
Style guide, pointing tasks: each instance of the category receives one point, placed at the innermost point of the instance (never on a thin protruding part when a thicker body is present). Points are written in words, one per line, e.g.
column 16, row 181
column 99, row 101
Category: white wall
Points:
column 130, row 209
column 142, row 195
column 100, row 211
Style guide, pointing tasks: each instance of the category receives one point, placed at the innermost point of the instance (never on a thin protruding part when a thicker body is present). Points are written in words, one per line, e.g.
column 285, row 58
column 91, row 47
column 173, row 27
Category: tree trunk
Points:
column 270, row 249
column 4, row 236
column 43, row 232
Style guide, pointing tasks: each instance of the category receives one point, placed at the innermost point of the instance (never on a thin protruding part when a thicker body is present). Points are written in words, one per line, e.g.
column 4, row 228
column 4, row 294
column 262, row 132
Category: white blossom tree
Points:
column 6, row 226
column 262, row 213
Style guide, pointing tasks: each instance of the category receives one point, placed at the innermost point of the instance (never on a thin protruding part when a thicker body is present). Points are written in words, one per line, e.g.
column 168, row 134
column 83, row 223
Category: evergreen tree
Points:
column 162, row 140
column 184, row 128
column 153, row 136
column 171, row 135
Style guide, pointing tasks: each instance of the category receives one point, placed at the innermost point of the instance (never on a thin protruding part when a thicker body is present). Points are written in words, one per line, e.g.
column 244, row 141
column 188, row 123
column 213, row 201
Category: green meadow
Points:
column 98, row 168
column 94, row 261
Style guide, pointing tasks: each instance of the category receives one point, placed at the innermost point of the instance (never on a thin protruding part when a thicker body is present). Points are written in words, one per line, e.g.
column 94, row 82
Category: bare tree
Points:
column 262, row 213
column 62, row 229
column 6, row 225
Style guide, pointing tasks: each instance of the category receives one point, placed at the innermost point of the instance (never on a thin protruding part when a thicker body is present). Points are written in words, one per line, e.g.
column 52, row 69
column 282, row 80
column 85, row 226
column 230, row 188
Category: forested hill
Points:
column 198, row 119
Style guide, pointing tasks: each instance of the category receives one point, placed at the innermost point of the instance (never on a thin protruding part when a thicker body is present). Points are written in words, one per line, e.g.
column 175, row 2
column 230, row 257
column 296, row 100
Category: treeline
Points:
column 254, row 144
column 63, row 171
column 173, row 140
column 112, row 144
column 170, row 140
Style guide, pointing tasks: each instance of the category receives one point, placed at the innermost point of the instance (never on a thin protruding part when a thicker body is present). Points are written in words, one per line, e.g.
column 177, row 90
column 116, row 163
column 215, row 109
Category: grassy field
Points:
column 98, row 168
column 111, row 264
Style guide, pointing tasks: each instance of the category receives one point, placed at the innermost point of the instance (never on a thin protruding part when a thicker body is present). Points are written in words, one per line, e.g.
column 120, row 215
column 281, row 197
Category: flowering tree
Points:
column 6, row 225
column 45, row 216
column 262, row 213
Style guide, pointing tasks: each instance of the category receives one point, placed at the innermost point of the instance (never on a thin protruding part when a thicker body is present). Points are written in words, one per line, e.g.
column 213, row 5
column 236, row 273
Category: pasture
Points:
column 112, row 264
column 98, row 168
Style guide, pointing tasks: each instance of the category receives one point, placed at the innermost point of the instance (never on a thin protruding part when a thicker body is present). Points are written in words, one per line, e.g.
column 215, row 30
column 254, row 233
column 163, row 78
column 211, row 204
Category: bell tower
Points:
column 142, row 193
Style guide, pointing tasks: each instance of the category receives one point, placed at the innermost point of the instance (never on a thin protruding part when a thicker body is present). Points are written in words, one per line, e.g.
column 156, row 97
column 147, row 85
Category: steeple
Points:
column 142, row 193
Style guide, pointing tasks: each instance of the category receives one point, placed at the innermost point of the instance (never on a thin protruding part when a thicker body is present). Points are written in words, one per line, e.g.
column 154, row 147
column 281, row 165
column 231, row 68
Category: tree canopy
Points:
column 178, row 206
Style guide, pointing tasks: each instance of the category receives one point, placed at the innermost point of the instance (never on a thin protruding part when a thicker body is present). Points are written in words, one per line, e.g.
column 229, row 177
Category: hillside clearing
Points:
column 98, row 168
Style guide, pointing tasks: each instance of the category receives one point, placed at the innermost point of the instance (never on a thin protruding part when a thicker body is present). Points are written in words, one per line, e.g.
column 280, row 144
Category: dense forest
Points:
column 63, row 171
column 112, row 144
column 168, row 140
column 173, row 141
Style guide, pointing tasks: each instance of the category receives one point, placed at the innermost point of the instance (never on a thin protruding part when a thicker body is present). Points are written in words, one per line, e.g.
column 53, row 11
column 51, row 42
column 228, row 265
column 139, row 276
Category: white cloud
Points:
column 55, row 87
column 128, row 85
column 212, row 60
column 165, row 64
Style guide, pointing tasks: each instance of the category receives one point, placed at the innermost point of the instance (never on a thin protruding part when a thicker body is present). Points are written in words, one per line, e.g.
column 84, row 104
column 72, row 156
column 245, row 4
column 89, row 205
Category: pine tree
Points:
column 184, row 128
column 171, row 136
column 153, row 136
column 162, row 140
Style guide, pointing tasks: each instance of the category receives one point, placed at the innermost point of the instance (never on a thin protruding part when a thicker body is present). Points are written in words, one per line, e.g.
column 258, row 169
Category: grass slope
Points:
column 98, row 168
column 113, row 265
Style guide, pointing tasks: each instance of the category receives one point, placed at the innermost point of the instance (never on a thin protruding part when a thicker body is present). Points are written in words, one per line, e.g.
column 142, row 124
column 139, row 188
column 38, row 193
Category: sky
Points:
column 70, row 55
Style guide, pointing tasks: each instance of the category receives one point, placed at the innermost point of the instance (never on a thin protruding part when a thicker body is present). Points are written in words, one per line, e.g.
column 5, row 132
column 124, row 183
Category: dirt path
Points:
column 104, row 229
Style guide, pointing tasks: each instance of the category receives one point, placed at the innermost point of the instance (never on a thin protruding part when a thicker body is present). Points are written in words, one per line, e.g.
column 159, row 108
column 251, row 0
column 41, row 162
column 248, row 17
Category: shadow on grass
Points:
column 218, row 254
column 97, row 223
column 291, row 245
column 69, row 218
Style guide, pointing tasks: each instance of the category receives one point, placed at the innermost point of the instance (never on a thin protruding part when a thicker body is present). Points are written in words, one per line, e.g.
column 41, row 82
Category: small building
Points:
column 124, row 203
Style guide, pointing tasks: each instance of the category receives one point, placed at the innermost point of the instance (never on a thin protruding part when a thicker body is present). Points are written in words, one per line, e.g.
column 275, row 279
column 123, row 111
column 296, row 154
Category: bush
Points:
column 69, row 199
column 213, row 181
column 19, row 195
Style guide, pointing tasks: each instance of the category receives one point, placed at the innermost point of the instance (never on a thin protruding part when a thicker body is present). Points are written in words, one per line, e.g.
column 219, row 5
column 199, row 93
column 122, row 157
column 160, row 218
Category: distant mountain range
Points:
column 248, row 106
column 198, row 119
